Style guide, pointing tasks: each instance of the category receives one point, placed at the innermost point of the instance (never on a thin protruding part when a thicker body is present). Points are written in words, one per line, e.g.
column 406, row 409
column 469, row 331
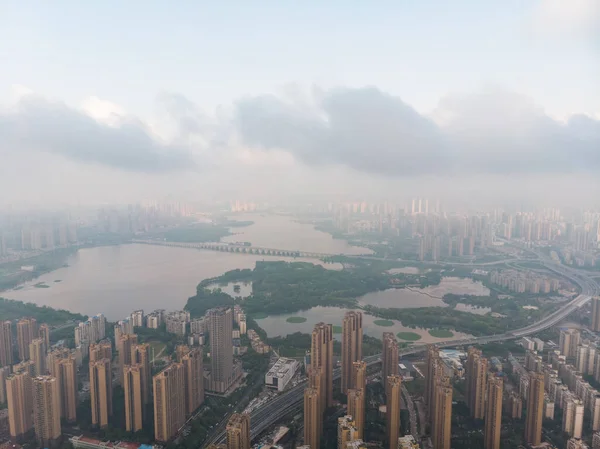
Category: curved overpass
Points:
column 291, row 401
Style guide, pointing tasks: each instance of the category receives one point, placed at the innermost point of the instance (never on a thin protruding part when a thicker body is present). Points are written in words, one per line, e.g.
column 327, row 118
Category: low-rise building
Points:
column 281, row 373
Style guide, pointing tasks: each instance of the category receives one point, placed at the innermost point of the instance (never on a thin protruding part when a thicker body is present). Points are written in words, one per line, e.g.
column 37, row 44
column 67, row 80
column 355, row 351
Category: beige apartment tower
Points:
column 194, row 380
column 65, row 371
column 99, row 351
column 27, row 330
column 125, row 344
column 568, row 341
column 46, row 410
column 352, row 334
column 441, row 430
column 140, row 355
column 359, row 375
column 6, row 344
column 169, row 402
column 356, row 409
column 392, row 410
column 4, row 373
column 20, row 405
column 44, row 334
column 476, row 382
column 220, row 328
column 315, row 380
column 37, row 354
column 238, row 431
column 346, row 432
column 313, row 419
column 535, row 409
column 101, row 392
column 596, row 314
column 493, row 413
column 134, row 406
column 389, row 355
column 321, row 356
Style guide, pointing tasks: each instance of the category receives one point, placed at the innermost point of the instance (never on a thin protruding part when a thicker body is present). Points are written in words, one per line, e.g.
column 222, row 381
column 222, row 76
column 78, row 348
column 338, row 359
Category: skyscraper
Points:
column 220, row 327
column 6, row 343
column 132, row 387
column 27, row 330
column 238, row 431
column 194, row 380
column 20, row 405
column 101, row 391
column 359, row 375
column 568, row 342
column 356, row 409
column 442, row 414
column 493, row 413
column 346, row 432
column 596, row 312
column 352, row 334
column 44, row 334
column 65, row 371
column 140, row 355
column 476, row 378
column 392, row 412
column 312, row 418
column 37, row 353
column 4, row 373
column 321, row 356
column 46, row 410
column 125, row 344
column 389, row 355
column 432, row 360
column 169, row 402
column 315, row 381
column 99, row 351
column 535, row 409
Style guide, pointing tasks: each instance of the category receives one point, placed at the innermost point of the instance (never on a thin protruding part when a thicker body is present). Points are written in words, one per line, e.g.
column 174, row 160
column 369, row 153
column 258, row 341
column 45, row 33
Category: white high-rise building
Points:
column 137, row 318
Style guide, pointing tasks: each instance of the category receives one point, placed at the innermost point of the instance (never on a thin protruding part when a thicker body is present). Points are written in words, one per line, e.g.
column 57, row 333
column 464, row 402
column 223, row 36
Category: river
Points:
column 116, row 280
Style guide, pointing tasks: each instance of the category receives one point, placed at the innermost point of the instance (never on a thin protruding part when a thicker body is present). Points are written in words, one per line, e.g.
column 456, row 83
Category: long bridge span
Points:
column 236, row 248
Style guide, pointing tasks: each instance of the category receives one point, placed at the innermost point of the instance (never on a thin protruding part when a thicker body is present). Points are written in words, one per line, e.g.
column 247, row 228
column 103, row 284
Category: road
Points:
column 291, row 401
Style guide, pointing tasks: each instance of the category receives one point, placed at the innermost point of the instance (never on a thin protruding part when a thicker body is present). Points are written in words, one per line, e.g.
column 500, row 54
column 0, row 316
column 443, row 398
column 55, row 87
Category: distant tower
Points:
column 132, row 386
column 442, row 414
column 44, row 334
column 220, row 323
column 312, row 418
column 37, row 353
column 238, row 431
column 476, row 378
column 27, row 330
column 101, row 391
column 356, row 409
column 493, row 413
column 389, row 355
column 20, row 405
column 535, row 409
column 6, row 343
column 125, row 344
column 596, row 313
column 352, row 334
column 194, row 380
column 321, row 356
column 65, row 371
column 392, row 412
column 46, row 412
column 140, row 355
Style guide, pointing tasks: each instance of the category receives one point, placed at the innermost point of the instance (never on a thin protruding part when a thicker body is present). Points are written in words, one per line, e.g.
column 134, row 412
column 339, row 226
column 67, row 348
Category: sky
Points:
column 119, row 101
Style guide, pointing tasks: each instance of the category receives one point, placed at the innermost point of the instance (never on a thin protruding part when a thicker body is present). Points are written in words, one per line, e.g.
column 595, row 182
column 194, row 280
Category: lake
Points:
column 115, row 280
column 425, row 297
column 277, row 325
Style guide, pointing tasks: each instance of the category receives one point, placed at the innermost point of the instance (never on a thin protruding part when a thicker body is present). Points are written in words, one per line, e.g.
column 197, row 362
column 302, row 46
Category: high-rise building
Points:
column 44, row 334
column 392, row 411
column 432, row 366
column 356, row 409
column 99, row 351
column 238, row 431
column 6, row 344
column 315, row 381
column 37, row 353
column 389, row 356
column 137, row 318
column 359, row 375
column 65, row 372
column 220, row 327
column 140, row 355
column 101, row 391
column 321, row 356
column 596, row 313
column 24, row 367
column 442, row 414
column 134, row 407
column 4, row 373
column 568, row 341
column 573, row 411
column 169, row 402
column 125, row 343
column 476, row 378
column 27, row 330
column 194, row 379
column 20, row 405
column 46, row 410
column 535, row 409
column 493, row 413
column 352, row 334
column 346, row 432
column 313, row 418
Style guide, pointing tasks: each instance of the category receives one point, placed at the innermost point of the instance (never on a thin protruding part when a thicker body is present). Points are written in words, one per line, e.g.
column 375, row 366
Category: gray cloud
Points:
column 36, row 124
column 493, row 132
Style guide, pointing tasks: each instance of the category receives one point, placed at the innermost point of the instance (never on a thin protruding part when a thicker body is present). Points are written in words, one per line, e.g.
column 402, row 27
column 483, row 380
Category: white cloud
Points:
column 103, row 111
column 576, row 17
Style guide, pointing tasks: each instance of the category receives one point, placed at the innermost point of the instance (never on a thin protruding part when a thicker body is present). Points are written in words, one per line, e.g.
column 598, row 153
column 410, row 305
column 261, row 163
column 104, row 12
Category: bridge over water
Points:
column 236, row 248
